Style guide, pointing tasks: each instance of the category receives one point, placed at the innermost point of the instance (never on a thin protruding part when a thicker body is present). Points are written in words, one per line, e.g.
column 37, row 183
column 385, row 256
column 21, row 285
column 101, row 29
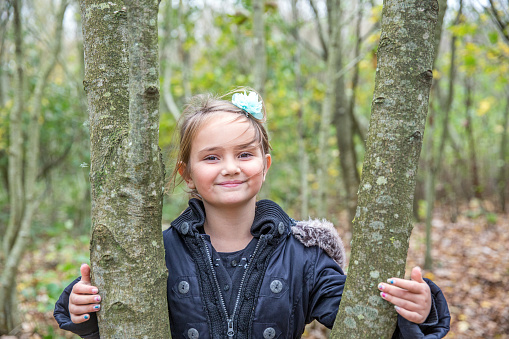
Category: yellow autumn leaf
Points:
column 484, row 106
column 486, row 304
column 429, row 275
column 295, row 106
column 333, row 172
column 463, row 326
column 504, row 48
column 437, row 74
column 364, row 64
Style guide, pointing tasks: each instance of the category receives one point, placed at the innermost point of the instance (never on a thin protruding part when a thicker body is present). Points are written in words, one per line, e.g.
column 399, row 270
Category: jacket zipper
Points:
column 229, row 319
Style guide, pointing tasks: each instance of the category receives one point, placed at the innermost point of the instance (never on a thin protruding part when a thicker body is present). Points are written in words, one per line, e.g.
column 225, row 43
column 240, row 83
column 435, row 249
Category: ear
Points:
column 187, row 178
column 268, row 162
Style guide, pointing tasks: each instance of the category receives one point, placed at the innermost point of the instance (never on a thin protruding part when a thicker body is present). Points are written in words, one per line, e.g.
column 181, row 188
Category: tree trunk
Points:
column 435, row 163
column 23, row 193
column 329, row 103
column 343, row 121
column 184, row 52
column 476, row 184
column 260, row 55
column 503, row 171
column 357, row 126
column 126, row 173
column 299, row 87
column 383, row 222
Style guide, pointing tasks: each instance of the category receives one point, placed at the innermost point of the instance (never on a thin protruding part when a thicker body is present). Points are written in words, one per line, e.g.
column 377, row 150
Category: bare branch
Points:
column 321, row 33
column 499, row 22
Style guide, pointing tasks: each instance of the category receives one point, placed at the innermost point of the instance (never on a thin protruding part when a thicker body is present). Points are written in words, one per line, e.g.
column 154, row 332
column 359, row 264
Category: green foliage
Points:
column 209, row 48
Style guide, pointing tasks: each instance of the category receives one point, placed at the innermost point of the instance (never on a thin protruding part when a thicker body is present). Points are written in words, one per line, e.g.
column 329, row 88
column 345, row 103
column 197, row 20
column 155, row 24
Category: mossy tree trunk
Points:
column 383, row 221
column 126, row 173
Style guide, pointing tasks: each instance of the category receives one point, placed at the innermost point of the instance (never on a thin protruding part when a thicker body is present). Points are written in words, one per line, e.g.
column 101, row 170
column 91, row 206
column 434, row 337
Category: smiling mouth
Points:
column 230, row 183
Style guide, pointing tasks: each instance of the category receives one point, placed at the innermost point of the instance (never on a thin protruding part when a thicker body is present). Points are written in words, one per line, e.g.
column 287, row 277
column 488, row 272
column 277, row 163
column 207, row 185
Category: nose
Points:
column 231, row 166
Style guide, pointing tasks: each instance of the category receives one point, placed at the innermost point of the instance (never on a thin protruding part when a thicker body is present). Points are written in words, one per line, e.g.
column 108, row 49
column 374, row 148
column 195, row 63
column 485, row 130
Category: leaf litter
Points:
column 471, row 265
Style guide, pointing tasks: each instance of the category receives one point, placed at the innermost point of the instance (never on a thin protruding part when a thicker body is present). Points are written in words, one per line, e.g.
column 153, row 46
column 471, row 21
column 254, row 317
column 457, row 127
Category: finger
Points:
column 409, row 315
column 83, row 288
column 404, row 303
column 82, row 310
column 409, row 285
column 80, row 318
column 398, row 292
column 83, row 299
column 416, row 275
column 85, row 274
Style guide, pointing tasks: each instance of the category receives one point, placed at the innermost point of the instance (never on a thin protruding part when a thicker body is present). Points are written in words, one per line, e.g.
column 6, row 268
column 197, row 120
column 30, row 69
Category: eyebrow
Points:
column 249, row 145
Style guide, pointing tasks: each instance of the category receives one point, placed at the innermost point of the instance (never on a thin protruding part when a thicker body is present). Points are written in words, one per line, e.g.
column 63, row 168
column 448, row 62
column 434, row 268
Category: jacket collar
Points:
column 269, row 219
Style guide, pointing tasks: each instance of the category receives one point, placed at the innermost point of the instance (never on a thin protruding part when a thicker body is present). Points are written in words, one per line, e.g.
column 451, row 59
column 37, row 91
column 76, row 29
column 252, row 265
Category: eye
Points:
column 245, row 155
column 211, row 158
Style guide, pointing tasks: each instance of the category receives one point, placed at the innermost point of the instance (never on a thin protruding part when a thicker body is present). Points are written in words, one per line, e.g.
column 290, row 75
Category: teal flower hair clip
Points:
column 249, row 104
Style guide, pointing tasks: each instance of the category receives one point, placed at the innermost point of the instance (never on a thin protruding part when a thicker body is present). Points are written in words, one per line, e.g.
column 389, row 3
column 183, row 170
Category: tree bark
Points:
column 299, row 87
column 126, row 173
column 329, row 104
column 260, row 55
column 9, row 317
column 24, row 196
column 435, row 163
column 383, row 222
column 344, row 126
column 503, row 171
column 474, row 169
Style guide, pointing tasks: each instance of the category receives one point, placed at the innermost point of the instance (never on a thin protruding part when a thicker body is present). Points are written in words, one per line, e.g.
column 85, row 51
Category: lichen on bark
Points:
column 383, row 222
column 126, row 173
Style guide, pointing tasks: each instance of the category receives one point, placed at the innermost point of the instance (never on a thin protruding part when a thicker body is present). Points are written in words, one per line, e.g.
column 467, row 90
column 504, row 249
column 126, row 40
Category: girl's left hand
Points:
column 411, row 298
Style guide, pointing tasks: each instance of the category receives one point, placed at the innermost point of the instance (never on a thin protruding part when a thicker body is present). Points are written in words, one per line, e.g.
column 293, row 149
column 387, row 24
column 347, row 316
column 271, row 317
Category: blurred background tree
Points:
column 210, row 46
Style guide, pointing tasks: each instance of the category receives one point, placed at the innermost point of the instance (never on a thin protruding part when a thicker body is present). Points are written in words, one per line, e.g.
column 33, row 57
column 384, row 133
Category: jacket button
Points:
column 269, row 333
column 183, row 287
column 234, row 263
column 276, row 286
column 184, row 228
column 281, row 228
column 226, row 287
column 193, row 333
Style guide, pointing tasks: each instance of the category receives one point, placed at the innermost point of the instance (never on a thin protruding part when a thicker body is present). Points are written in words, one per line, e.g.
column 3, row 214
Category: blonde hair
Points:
column 197, row 111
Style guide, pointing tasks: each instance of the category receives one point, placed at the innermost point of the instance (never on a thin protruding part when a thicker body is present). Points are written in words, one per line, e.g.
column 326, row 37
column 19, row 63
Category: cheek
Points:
column 257, row 168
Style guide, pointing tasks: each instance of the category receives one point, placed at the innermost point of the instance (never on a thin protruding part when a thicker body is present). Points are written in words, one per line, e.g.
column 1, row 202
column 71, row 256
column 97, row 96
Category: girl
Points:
column 239, row 268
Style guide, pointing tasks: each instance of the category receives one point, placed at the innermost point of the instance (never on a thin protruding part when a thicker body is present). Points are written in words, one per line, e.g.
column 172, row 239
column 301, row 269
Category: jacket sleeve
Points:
column 328, row 289
column 89, row 329
column 328, row 281
column 436, row 325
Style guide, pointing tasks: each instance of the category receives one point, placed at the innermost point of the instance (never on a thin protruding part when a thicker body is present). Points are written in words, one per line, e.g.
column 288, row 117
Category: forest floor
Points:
column 471, row 265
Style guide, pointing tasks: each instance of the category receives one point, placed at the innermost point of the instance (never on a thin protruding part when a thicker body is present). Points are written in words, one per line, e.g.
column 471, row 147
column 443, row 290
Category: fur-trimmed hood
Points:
column 316, row 232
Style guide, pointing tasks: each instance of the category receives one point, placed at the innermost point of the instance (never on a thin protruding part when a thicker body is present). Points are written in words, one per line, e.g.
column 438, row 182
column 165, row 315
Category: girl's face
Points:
column 227, row 165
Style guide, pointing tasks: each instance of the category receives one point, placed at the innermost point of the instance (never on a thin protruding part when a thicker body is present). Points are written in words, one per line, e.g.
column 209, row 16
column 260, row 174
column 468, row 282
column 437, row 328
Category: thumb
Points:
column 417, row 274
column 85, row 274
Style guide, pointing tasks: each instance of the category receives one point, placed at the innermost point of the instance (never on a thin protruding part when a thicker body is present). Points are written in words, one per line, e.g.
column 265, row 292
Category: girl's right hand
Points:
column 83, row 298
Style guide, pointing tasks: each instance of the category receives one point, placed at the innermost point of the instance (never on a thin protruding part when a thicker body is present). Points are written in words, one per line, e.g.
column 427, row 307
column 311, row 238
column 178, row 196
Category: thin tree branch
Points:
column 54, row 162
column 321, row 33
column 502, row 26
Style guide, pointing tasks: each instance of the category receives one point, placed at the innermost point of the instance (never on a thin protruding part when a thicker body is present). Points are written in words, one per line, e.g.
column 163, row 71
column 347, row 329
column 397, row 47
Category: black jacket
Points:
column 284, row 284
